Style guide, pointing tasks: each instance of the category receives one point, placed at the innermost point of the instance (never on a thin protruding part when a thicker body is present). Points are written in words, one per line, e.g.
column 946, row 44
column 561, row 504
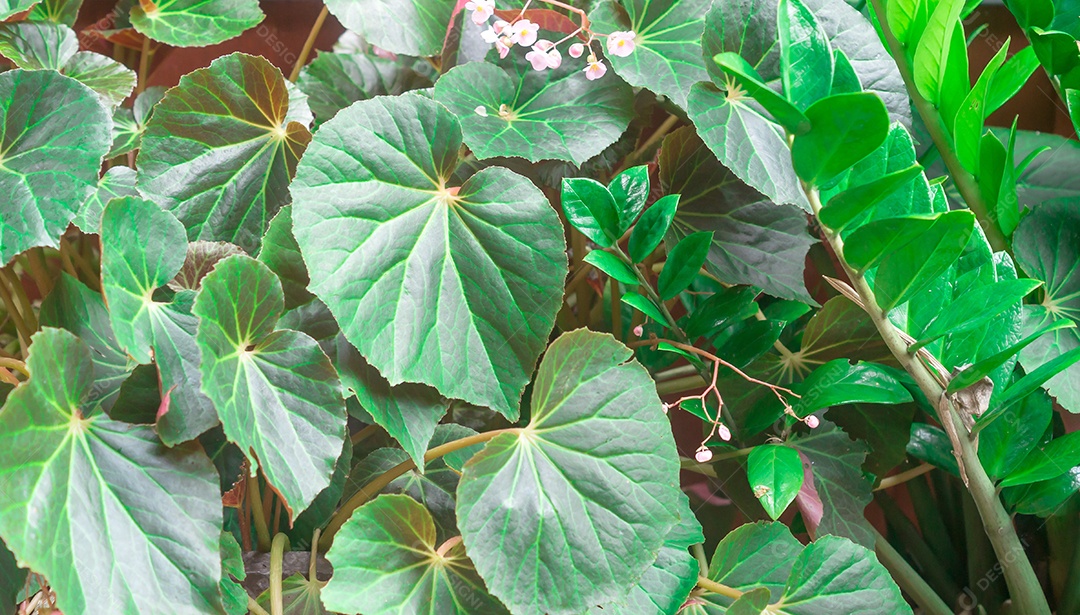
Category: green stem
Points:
column 915, row 545
column 277, row 551
column 909, row 580
column 144, row 66
column 308, row 44
column 1070, row 599
column 718, row 588
column 699, row 554
column 262, row 532
column 1024, row 586
column 966, row 183
column 373, row 488
column 934, row 528
column 253, row 607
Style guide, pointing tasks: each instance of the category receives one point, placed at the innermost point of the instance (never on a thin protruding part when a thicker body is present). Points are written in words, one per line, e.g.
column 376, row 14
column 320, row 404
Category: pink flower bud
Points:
column 812, row 421
column 665, row 407
column 576, row 50
column 639, row 331
column 724, row 433
column 703, row 454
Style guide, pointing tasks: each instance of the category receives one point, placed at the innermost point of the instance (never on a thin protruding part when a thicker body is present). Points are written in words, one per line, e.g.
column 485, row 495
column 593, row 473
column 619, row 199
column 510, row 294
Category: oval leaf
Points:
column 776, row 475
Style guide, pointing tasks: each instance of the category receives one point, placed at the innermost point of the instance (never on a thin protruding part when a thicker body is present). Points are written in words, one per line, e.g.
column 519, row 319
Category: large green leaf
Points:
column 916, row 264
column 806, row 58
column 386, row 561
column 334, row 81
column 143, row 247
column 836, row 463
column 754, row 241
column 844, row 129
column 55, row 132
column 221, row 147
column 117, row 522
column 570, row 511
column 278, row 396
column 408, row 412
column 1047, row 247
column 8, row 8
column 194, row 23
column 556, row 113
column 839, row 382
column 1005, row 442
column 1045, row 462
column 73, row 306
column 412, row 27
column 456, row 288
column 667, row 53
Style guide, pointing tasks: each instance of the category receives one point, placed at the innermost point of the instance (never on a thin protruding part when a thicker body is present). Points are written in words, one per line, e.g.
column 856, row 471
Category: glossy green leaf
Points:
column 645, row 306
column 194, row 23
column 1054, row 459
column 869, row 244
column 412, row 27
column 630, row 189
column 221, row 147
column 931, row 444
column 281, row 254
column 408, row 412
column 612, row 266
column 844, row 129
column 902, row 15
column 1057, row 51
column 9, row 8
column 590, row 208
column 776, row 475
column 275, row 391
column 932, row 49
column 333, row 81
column 847, row 206
column 386, row 561
column 806, row 60
column 845, row 80
column 720, row 310
column 754, row 241
column 550, row 515
column 73, row 306
column 1012, row 76
column 755, row 555
column 667, row 53
column 552, row 114
column 651, row 227
column 1072, row 99
column 142, row 249
column 918, row 262
column 1044, row 498
column 474, row 278
column 684, row 262
column 1032, row 13
column 983, row 367
column 839, row 382
column 57, row 11
column 968, row 127
column 129, row 124
column 836, row 465
column 1008, row 438
column 151, row 542
column 742, row 343
column 55, row 132
column 977, row 307
column 781, row 109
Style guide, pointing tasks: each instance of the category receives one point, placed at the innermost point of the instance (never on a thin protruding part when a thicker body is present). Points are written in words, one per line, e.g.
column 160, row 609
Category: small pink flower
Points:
column 576, row 50
column 482, row 10
column 621, row 43
column 524, row 32
column 703, row 454
column 595, row 69
column 639, row 331
column 491, row 35
column 537, row 58
column 812, row 421
column 665, row 407
column 723, row 432
column 544, row 55
column 503, row 45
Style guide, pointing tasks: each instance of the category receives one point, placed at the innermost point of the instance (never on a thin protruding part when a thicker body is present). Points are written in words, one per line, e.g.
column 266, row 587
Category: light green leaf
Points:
column 667, row 54
column 806, row 60
column 194, row 23
column 557, row 114
column 334, row 81
column 1045, row 462
column 612, row 266
column 386, row 561
column 754, row 241
column 651, row 227
column 823, row 580
column 844, row 129
column 839, row 382
column 110, row 79
column 55, row 132
column 932, row 49
column 411, row 27
column 780, row 108
column 968, row 127
column 975, row 308
column 645, row 306
column 683, row 264
column 917, row 263
column 849, row 205
column 474, row 278
column 276, row 393
column 9, row 8
column 776, row 475
column 409, row 412
column 220, row 149
column 117, row 182
column 571, row 511
column 1012, row 76
column 150, row 543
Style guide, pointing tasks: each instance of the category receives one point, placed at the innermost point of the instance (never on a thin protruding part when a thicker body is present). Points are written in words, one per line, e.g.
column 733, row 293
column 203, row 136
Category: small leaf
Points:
column 847, row 206
column 844, row 129
column 645, row 306
column 845, row 79
column 1012, row 76
column 651, row 227
column 591, row 209
column 783, row 111
column 806, row 61
column 968, row 126
column 720, row 310
column 194, row 23
column 683, row 264
column 839, row 382
column 630, row 190
column 613, row 266
column 976, row 308
column 931, row 444
column 776, row 475
column 386, row 561
column 932, row 50
column 1046, row 462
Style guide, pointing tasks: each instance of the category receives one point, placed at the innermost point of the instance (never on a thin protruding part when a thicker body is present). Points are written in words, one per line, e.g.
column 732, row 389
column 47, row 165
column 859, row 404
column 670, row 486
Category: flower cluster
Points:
column 544, row 54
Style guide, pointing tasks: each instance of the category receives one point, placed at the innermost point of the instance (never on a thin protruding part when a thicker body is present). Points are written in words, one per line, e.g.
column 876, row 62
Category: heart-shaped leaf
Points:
column 550, row 514
column 150, row 542
column 142, row 249
column 334, row 81
column 776, row 475
column 411, row 27
column 556, row 113
column 221, row 147
column 276, row 393
column 473, row 274
column 55, row 132
column 667, row 51
column 386, row 561
column 194, row 23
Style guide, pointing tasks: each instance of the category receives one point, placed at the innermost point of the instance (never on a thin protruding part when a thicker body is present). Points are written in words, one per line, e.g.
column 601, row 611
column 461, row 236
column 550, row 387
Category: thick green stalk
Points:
column 966, row 183
column 1024, row 586
column 277, row 552
column 909, row 580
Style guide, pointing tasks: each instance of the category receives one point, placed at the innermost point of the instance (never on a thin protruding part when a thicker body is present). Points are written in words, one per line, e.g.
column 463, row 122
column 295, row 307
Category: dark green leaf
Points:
column 931, row 444
column 917, row 263
column 1046, row 497
column 742, row 343
column 194, row 23
column 117, row 182
column 885, row 429
column 976, row 308
column 1056, row 458
column 684, row 262
column 806, row 62
column 334, row 81
column 280, row 253
column 839, row 382
column 200, row 260
column 412, row 27
column 276, row 393
column 1013, row 434
column 221, row 147
column 844, row 129
column 612, row 266
column 473, row 279
column 1032, row 13
column 630, row 189
column 12, row 580
column 531, row 501
column 840, row 330
column 591, row 209
column 151, row 543
column 755, row 555
column 1057, row 51
column 776, row 475
column 651, row 227
column 129, row 124
column 852, row 203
